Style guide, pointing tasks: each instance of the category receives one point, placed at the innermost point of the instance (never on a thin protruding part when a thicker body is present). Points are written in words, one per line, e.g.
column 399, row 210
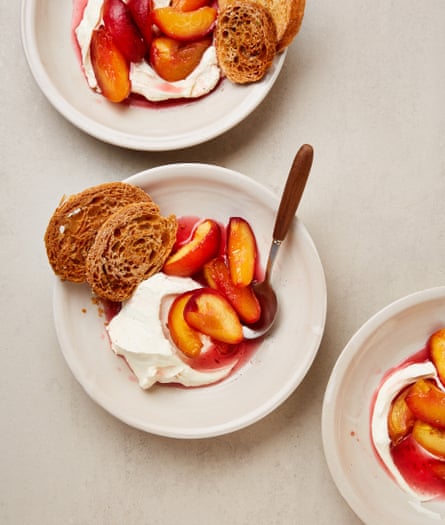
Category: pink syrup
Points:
column 417, row 468
column 422, row 471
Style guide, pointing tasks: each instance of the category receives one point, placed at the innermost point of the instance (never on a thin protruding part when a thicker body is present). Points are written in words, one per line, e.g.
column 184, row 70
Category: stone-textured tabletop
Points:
column 364, row 83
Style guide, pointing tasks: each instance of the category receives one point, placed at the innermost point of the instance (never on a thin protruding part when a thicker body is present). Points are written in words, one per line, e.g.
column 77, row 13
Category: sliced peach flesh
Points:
column 241, row 251
column 427, row 402
column 184, row 336
column 185, row 25
column 211, row 314
column 110, row 66
column 243, row 299
column 436, row 347
column 174, row 61
column 430, row 438
column 188, row 5
column 191, row 257
column 400, row 418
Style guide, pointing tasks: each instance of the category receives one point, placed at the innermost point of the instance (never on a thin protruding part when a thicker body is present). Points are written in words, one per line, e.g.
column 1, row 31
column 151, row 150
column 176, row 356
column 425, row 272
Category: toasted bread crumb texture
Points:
column 74, row 224
column 130, row 246
column 245, row 40
column 288, row 16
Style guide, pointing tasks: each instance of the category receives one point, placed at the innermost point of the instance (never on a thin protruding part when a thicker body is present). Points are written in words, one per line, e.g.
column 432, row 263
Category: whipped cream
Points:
column 139, row 333
column 394, row 383
column 144, row 79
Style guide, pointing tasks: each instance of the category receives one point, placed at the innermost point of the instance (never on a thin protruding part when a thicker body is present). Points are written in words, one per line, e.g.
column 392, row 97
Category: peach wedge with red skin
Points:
column 191, row 257
column 184, row 336
column 211, row 314
column 110, row 66
column 174, row 61
column 243, row 299
column 119, row 22
column 241, row 251
column 430, row 438
column 400, row 418
column 141, row 13
column 185, row 26
column 427, row 402
column 436, row 348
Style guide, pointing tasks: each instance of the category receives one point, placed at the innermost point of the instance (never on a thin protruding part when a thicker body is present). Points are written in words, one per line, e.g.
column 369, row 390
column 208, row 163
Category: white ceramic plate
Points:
column 48, row 45
column 278, row 365
column 385, row 341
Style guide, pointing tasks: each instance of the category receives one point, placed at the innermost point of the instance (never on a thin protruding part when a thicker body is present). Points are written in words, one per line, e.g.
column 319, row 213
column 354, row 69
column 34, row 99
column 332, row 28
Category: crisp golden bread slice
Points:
column 130, row 246
column 74, row 224
column 245, row 40
column 288, row 16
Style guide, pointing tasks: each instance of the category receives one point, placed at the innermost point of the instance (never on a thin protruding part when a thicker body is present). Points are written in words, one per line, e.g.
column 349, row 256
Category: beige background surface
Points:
column 364, row 82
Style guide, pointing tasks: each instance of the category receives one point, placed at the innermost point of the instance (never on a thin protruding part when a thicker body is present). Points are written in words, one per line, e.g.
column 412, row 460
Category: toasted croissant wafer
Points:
column 74, row 224
column 287, row 15
column 129, row 247
column 245, row 40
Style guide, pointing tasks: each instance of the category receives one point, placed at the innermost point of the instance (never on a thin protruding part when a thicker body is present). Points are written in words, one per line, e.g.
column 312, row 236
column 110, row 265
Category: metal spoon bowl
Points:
column 290, row 199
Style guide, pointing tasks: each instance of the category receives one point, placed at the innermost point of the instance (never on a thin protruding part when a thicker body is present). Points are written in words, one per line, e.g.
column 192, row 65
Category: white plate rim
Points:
column 231, row 177
column 258, row 93
column 363, row 509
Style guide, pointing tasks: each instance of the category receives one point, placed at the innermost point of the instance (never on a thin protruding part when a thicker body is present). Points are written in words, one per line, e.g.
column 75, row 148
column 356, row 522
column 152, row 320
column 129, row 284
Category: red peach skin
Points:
column 109, row 65
column 141, row 13
column 191, row 257
column 243, row 299
column 120, row 24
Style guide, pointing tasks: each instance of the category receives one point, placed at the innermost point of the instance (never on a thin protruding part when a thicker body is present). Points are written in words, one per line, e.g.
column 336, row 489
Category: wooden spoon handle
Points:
column 293, row 191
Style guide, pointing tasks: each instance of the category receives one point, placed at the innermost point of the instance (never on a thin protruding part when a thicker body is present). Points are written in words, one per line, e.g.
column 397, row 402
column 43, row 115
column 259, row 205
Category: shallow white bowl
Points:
column 281, row 360
column 383, row 342
column 49, row 49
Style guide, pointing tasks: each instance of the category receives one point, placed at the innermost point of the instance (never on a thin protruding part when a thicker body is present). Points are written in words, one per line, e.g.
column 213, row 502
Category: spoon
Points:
column 290, row 199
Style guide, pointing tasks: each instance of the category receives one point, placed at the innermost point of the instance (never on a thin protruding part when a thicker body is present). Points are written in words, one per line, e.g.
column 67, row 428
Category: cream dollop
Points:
column 139, row 333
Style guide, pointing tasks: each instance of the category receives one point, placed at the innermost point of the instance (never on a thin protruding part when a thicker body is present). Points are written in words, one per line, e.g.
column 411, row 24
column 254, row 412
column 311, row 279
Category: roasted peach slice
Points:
column 430, row 438
column 109, row 66
column 436, row 348
column 243, row 299
column 241, row 251
column 400, row 418
column 185, row 25
column 427, row 402
column 175, row 61
column 211, row 314
column 184, row 336
column 191, row 257
column 117, row 19
column 141, row 13
column 188, row 5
